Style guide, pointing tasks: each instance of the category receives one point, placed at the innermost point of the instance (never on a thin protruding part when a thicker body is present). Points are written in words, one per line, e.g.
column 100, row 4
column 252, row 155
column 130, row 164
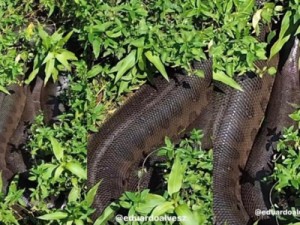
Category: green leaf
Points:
column 56, row 37
column 44, row 36
column 79, row 222
column 124, row 65
column 102, row 27
column 277, row 46
column 149, row 202
column 283, row 37
column 247, row 6
column 220, row 76
column 285, row 24
column 67, row 55
column 58, row 150
column 74, row 194
column 49, row 69
column 255, row 20
column 58, row 172
column 199, row 73
column 272, row 70
column 176, row 176
column 54, row 75
column 96, row 47
column 297, row 31
column 139, row 43
column 91, row 194
column 54, row 216
column 63, row 58
column 77, row 169
column 113, row 34
column 94, row 71
column 123, row 86
column 63, row 61
column 155, row 60
column 184, row 212
column 49, row 57
column 3, row 89
column 108, row 213
column 163, row 208
column 65, row 39
column 32, row 75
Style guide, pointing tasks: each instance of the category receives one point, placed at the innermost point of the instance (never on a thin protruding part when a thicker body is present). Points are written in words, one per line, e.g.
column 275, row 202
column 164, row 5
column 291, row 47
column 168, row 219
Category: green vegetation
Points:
column 108, row 49
column 187, row 193
column 286, row 172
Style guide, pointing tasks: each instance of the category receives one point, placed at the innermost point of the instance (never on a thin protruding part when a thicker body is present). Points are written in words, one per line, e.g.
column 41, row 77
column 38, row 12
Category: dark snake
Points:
column 140, row 125
column 172, row 109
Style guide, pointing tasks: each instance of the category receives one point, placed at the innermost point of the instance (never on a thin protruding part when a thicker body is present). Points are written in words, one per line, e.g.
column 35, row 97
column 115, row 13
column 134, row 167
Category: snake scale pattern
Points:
column 140, row 125
column 18, row 111
column 241, row 126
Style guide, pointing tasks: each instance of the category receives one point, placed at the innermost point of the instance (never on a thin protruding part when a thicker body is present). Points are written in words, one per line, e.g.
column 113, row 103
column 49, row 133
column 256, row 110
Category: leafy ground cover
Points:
column 107, row 49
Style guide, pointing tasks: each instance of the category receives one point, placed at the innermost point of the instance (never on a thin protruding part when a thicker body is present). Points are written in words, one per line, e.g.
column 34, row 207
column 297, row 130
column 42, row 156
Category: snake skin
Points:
column 139, row 127
column 12, row 107
column 18, row 111
column 236, row 125
column 141, row 124
column 286, row 90
column 234, row 121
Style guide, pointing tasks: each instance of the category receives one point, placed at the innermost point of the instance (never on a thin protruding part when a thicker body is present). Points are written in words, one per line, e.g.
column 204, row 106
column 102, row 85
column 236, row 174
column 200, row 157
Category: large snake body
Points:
column 18, row 111
column 170, row 109
column 285, row 93
column 12, row 107
column 139, row 127
column 240, row 116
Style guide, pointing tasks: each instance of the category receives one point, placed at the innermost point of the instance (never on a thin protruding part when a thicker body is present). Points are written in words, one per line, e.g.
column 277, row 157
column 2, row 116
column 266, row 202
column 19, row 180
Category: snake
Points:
column 234, row 119
column 18, row 111
column 285, row 94
column 12, row 107
column 169, row 108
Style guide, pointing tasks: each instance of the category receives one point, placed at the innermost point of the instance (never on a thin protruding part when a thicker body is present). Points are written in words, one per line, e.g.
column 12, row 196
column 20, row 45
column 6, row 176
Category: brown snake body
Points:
column 171, row 109
column 122, row 142
column 18, row 111
column 285, row 93
column 139, row 127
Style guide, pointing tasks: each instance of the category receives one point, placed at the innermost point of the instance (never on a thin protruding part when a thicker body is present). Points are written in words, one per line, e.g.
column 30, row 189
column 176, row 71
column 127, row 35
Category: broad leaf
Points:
column 63, row 58
column 3, row 89
column 176, row 176
column 54, row 216
column 163, row 208
column 149, row 202
column 96, row 47
column 57, row 148
column 49, row 69
column 283, row 36
column 76, row 169
column 94, row 71
column 188, row 218
column 124, row 65
column 32, row 75
column 220, row 76
column 108, row 213
column 91, row 194
column 155, row 60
